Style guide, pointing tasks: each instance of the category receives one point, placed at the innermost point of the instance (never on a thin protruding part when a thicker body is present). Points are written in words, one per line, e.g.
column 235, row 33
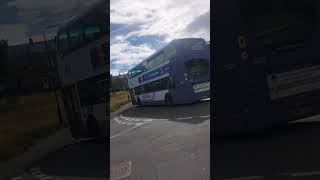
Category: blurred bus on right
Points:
column 179, row 73
column 266, row 64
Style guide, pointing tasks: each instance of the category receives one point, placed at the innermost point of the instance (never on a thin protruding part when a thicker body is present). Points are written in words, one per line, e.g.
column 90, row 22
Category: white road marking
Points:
column 40, row 176
column 315, row 118
column 182, row 118
column 48, row 178
column 312, row 173
column 204, row 116
column 125, row 118
column 17, row 178
column 126, row 130
column 130, row 121
column 147, row 120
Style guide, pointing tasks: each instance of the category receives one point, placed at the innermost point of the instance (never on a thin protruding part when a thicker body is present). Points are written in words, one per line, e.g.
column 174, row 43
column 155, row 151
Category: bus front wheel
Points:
column 168, row 100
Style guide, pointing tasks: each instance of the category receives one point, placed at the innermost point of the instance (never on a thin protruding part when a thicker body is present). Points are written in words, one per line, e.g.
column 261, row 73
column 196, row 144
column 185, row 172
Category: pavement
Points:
column 122, row 109
column 81, row 160
column 160, row 143
column 42, row 148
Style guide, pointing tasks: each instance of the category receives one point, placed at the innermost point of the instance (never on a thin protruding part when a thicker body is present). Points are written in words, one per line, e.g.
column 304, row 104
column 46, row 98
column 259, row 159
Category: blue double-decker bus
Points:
column 179, row 73
column 266, row 64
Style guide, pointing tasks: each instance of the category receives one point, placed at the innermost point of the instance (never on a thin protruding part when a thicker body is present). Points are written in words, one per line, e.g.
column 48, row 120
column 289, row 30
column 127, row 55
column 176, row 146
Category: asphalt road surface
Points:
column 82, row 161
column 291, row 152
column 161, row 143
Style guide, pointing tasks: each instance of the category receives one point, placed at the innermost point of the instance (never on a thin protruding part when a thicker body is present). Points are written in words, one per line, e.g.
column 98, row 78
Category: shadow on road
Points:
column 87, row 160
column 293, row 148
column 189, row 113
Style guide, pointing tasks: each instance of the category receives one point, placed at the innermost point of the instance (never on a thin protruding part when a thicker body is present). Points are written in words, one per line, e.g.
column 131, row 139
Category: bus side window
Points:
column 164, row 84
column 76, row 38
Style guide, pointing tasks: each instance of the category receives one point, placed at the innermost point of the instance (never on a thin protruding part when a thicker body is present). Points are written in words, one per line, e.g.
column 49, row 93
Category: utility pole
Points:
column 53, row 78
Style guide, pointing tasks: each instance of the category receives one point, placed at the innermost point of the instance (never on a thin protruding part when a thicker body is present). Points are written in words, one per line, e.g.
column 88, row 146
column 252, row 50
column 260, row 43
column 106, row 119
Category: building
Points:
column 119, row 83
column 31, row 67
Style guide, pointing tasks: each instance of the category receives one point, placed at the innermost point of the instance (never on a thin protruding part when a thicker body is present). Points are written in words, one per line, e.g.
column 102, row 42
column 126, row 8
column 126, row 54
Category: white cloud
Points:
column 114, row 72
column 163, row 18
column 125, row 55
column 166, row 18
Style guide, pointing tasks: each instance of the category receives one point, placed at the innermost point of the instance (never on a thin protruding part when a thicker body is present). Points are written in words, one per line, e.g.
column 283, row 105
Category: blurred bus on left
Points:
column 83, row 69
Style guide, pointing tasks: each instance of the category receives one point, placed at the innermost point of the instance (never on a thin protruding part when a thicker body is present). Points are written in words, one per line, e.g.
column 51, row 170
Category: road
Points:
column 82, row 161
column 152, row 142
column 173, row 143
column 161, row 143
column 290, row 152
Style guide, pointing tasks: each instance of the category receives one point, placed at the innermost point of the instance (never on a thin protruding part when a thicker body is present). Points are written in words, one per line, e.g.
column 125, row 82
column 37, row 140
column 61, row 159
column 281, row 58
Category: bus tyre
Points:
column 168, row 100
column 93, row 129
column 139, row 102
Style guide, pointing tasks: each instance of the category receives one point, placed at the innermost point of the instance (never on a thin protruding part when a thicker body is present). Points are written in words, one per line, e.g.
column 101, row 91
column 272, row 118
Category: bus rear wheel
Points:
column 168, row 100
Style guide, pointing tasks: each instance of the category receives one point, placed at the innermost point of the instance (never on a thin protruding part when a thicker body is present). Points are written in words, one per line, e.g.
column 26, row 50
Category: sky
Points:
column 141, row 27
column 20, row 19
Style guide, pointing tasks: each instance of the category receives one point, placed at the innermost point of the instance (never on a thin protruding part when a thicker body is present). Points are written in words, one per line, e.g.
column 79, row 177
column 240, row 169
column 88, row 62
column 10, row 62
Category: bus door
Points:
column 74, row 112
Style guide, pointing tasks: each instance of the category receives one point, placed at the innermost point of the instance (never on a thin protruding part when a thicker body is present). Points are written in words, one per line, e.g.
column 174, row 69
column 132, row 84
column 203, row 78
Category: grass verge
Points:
column 24, row 120
column 118, row 99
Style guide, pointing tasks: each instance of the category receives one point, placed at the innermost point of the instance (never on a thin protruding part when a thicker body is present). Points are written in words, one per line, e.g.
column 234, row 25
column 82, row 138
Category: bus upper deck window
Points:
column 92, row 32
column 198, row 46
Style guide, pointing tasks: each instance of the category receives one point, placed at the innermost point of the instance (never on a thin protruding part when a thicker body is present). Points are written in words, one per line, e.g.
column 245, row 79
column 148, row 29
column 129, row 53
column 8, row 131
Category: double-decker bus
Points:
column 82, row 64
column 179, row 73
column 266, row 66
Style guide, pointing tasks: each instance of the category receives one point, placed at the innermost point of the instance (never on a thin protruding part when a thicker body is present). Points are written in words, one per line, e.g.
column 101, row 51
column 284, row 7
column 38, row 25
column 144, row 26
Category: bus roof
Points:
column 171, row 42
column 100, row 6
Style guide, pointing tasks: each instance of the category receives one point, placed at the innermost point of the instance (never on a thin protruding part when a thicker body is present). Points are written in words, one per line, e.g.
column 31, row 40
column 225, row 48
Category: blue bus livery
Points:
column 177, row 74
column 266, row 64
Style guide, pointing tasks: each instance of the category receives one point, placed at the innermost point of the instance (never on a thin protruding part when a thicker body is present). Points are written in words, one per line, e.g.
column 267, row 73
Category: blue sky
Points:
column 141, row 27
column 22, row 18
